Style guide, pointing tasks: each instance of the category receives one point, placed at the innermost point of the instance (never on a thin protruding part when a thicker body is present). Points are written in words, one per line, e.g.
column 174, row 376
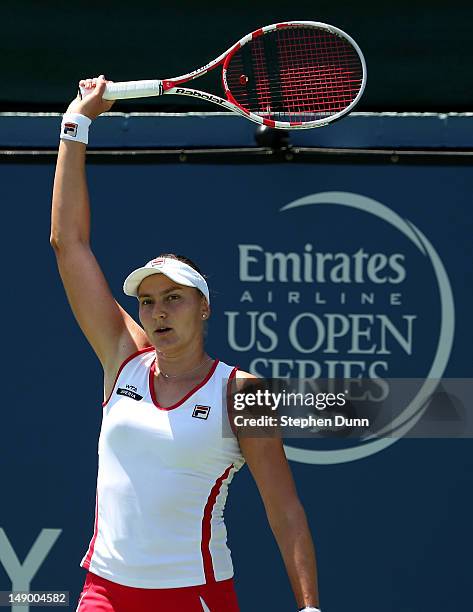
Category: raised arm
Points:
column 112, row 333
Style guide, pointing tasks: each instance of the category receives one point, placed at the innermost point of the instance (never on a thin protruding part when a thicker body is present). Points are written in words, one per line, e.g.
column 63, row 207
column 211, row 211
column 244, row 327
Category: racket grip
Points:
column 133, row 89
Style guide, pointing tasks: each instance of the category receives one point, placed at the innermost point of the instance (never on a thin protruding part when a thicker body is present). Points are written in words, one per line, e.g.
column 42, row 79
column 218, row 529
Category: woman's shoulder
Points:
column 236, row 372
column 241, row 374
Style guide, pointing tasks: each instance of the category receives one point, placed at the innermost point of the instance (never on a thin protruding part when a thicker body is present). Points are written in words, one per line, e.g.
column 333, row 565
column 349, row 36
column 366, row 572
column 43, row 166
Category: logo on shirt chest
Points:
column 201, row 412
column 130, row 391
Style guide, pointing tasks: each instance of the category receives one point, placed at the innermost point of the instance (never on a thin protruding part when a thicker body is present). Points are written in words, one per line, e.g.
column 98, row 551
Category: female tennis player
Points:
column 159, row 540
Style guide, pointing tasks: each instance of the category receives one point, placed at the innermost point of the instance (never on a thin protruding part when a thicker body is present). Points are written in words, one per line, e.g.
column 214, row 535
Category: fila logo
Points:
column 70, row 129
column 158, row 262
column 201, row 412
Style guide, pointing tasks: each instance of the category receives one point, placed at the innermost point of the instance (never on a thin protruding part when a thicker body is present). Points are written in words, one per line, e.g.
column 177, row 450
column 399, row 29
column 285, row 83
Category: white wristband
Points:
column 309, row 609
column 75, row 127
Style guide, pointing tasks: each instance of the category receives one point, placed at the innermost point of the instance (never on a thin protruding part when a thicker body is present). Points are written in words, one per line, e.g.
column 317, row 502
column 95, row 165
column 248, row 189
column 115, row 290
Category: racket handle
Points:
column 133, row 89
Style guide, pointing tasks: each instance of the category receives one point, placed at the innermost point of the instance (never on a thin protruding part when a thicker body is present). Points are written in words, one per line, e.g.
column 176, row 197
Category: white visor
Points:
column 178, row 271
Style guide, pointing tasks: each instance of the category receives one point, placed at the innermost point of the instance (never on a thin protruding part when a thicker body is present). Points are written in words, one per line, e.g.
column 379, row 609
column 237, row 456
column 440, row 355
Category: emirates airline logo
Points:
column 344, row 288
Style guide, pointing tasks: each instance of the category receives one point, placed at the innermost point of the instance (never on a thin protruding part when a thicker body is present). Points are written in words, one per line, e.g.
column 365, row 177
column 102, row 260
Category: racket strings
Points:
column 318, row 79
column 295, row 74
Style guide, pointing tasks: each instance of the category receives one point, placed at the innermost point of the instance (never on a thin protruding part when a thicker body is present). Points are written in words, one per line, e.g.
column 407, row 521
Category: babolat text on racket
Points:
column 293, row 75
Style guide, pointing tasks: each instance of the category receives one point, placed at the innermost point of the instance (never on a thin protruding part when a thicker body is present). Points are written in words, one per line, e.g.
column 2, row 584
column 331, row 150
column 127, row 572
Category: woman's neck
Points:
column 183, row 366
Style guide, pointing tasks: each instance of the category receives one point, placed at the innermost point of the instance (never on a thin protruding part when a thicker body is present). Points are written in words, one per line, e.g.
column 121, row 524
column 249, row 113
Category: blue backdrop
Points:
column 391, row 527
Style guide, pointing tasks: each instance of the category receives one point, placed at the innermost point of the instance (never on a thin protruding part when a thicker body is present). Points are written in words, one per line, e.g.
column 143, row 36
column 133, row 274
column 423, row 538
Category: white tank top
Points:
column 162, row 482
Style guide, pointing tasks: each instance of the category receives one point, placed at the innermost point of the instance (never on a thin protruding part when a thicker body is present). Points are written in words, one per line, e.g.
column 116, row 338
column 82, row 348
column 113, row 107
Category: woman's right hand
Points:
column 92, row 104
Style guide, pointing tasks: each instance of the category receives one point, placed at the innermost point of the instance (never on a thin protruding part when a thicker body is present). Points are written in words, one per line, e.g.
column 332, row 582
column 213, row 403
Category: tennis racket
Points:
column 293, row 75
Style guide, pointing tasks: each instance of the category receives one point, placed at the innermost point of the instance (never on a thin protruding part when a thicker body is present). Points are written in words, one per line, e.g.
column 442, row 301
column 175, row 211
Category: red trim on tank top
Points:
column 229, row 382
column 127, row 360
column 207, row 526
column 90, row 550
column 187, row 396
